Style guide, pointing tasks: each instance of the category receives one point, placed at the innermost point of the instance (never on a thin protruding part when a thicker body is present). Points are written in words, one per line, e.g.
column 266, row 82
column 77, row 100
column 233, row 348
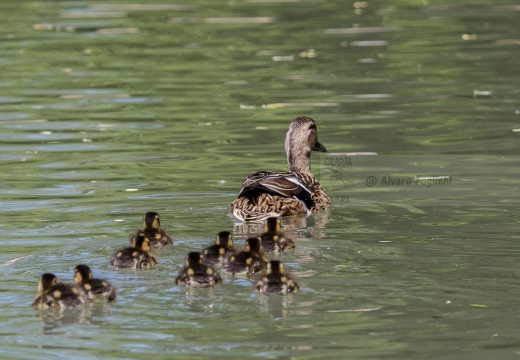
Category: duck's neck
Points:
column 298, row 158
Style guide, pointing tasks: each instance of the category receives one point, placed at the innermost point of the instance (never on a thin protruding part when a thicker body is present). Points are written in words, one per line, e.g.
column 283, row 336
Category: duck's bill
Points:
column 319, row 147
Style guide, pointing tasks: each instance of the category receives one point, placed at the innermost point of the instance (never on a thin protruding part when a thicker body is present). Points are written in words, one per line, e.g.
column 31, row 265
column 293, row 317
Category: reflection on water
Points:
column 109, row 110
column 295, row 226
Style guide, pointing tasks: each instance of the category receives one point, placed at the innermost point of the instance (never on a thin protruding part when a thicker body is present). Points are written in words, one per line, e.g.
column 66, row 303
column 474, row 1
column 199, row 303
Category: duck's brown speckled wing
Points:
column 281, row 183
column 279, row 193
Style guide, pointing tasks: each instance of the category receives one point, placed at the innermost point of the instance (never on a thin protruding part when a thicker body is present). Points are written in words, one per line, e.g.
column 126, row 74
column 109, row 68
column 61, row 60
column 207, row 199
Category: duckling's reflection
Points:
column 53, row 319
column 276, row 305
column 200, row 299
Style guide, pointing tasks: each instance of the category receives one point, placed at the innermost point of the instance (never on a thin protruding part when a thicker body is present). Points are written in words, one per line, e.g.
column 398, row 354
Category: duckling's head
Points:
column 193, row 258
column 142, row 243
column 46, row 281
column 301, row 139
column 273, row 224
column 82, row 273
column 275, row 267
column 151, row 221
column 224, row 238
column 253, row 244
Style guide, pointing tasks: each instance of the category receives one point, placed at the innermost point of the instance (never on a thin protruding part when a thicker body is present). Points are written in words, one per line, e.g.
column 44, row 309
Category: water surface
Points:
column 111, row 109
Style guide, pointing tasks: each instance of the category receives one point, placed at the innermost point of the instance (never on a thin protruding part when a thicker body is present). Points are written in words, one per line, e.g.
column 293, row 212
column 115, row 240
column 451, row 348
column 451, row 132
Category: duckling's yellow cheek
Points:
column 119, row 254
column 276, row 238
column 248, row 261
column 157, row 236
column 209, row 271
column 104, row 283
column 232, row 259
column 221, row 251
column 87, row 287
column 56, row 294
column 283, row 279
column 135, row 254
column 191, row 272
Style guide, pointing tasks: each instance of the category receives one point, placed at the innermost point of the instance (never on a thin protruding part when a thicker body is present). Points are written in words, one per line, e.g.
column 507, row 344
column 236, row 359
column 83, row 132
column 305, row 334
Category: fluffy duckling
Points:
column 223, row 247
column 246, row 262
column 136, row 257
column 54, row 295
column 195, row 273
column 276, row 281
column 93, row 288
column 273, row 239
column 151, row 230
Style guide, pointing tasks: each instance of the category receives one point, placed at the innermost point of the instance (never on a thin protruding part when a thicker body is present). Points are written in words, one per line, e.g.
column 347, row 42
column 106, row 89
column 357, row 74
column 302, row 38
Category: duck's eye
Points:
column 312, row 127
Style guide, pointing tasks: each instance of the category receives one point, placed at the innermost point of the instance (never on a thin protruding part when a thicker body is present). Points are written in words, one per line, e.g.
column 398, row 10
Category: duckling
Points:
column 246, row 262
column 276, row 281
column 195, row 273
column 54, row 295
column 151, row 230
column 93, row 288
column 135, row 257
column 281, row 193
column 273, row 239
column 223, row 246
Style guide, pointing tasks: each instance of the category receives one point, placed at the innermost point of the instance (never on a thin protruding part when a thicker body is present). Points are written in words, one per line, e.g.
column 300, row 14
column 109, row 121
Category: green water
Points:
column 110, row 109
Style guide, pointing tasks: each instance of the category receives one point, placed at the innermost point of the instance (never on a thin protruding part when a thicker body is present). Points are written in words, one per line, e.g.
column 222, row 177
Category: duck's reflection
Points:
column 307, row 227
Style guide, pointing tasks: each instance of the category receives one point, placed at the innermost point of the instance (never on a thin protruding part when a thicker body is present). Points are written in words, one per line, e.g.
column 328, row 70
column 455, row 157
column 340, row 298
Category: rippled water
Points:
column 111, row 109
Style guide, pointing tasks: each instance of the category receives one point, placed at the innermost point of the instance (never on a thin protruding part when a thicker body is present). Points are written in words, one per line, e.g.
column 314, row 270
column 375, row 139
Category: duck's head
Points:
column 273, row 224
column 142, row 243
column 193, row 258
column 253, row 245
column 275, row 267
column 301, row 139
column 82, row 273
column 46, row 281
column 151, row 221
column 224, row 238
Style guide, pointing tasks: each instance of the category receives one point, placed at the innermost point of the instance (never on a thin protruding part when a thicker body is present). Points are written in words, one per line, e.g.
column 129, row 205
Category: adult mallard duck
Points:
column 273, row 239
column 54, row 295
column 247, row 262
column 195, row 273
column 281, row 193
column 276, row 280
column 93, row 288
column 223, row 246
column 151, row 229
column 137, row 256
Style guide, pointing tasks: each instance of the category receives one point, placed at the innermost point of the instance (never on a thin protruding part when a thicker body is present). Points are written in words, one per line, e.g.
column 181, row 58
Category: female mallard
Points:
column 54, row 295
column 151, row 229
column 273, row 239
column 93, row 288
column 246, row 262
column 195, row 273
column 136, row 257
column 276, row 280
column 280, row 193
column 223, row 246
